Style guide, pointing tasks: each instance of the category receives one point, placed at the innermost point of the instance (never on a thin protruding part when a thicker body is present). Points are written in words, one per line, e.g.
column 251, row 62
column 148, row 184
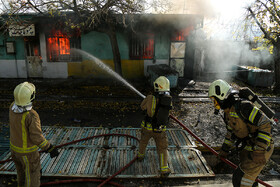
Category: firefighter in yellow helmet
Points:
column 156, row 107
column 248, row 131
column 26, row 136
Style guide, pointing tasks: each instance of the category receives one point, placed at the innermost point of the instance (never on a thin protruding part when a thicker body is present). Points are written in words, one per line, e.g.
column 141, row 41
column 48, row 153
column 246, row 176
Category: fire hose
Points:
column 93, row 180
column 212, row 150
column 107, row 180
column 88, row 180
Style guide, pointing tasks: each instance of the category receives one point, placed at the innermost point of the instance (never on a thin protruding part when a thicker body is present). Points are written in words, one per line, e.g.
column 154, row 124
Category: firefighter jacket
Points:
column 247, row 124
column 25, row 132
column 149, row 105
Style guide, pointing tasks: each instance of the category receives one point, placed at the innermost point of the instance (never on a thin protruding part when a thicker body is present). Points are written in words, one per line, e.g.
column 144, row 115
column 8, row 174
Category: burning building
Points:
column 43, row 49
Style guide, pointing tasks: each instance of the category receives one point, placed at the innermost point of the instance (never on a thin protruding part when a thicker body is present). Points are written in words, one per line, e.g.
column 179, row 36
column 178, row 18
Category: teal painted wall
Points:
column 123, row 42
column 97, row 44
column 19, row 44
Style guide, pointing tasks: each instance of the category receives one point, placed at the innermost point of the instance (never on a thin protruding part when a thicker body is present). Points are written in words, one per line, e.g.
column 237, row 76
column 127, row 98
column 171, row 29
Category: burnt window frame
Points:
column 137, row 50
column 74, row 42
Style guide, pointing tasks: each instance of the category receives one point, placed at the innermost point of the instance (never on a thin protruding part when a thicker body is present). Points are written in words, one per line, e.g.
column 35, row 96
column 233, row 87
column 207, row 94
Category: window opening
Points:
column 142, row 47
column 59, row 45
column 181, row 35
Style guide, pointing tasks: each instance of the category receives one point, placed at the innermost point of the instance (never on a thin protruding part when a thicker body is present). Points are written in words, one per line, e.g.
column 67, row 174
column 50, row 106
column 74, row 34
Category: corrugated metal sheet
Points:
column 104, row 156
column 4, row 139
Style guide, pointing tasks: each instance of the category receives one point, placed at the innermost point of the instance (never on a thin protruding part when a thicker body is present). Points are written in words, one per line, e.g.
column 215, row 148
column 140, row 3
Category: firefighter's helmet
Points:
column 220, row 89
column 162, row 84
column 24, row 94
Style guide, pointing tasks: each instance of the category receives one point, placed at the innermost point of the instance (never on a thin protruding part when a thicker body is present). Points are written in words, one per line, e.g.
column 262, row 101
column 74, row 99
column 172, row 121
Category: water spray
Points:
column 108, row 70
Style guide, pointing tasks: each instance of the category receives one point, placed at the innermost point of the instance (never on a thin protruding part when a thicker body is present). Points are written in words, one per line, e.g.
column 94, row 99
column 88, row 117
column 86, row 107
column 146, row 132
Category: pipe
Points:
column 212, row 150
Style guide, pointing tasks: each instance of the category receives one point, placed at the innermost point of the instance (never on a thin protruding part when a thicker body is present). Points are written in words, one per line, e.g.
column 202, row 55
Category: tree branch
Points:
column 271, row 13
column 275, row 8
column 76, row 7
column 34, row 7
column 266, row 34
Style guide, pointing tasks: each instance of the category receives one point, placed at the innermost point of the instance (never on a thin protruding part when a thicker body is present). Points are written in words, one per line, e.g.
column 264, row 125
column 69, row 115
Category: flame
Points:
column 58, row 44
column 148, row 52
column 64, row 46
column 36, row 51
column 182, row 34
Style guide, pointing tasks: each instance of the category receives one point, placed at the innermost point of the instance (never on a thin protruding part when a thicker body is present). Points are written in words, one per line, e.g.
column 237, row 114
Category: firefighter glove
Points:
column 53, row 151
column 258, row 157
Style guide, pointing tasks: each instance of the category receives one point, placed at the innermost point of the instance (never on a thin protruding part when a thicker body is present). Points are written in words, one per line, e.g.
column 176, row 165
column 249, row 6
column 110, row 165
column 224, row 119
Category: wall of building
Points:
column 55, row 69
column 51, row 69
column 98, row 44
column 13, row 69
column 12, row 65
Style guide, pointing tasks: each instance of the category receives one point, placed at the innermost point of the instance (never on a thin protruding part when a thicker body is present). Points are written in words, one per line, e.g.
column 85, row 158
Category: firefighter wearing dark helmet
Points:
column 157, row 108
column 248, row 130
column 26, row 136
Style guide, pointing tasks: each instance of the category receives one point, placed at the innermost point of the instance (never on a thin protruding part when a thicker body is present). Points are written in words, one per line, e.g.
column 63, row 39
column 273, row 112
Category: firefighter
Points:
column 248, row 131
column 26, row 136
column 156, row 107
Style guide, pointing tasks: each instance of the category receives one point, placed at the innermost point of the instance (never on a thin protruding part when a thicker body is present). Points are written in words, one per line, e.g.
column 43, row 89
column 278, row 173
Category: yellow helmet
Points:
column 220, row 89
column 24, row 94
column 161, row 84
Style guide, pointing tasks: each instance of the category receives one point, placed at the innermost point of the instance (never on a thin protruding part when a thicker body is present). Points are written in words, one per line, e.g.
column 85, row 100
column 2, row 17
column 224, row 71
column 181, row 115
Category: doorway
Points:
column 177, row 56
column 33, row 57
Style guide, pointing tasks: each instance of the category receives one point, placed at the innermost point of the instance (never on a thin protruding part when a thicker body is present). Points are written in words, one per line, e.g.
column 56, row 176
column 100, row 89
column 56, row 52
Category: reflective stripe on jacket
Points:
column 25, row 132
column 149, row 104
column 149, row 127
column 247, row 125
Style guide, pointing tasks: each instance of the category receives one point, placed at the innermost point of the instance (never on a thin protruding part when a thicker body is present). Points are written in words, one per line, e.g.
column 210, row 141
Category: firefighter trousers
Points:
column 249, row 169
column 28, row 168
column 161, row 144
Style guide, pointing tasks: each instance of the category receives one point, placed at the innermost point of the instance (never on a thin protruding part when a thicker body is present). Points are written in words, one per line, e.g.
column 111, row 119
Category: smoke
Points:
column 195, row 7
column 222, row 57
column 222, row 51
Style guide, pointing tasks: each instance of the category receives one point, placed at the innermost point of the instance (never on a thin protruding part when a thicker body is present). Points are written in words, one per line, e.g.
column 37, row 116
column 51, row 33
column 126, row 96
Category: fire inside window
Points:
column 142, row 47
column 181, row 34
column 59, row 45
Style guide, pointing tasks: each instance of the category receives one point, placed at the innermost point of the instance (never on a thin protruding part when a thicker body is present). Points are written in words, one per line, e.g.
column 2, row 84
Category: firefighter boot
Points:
column 140, row 157
column 165, row 173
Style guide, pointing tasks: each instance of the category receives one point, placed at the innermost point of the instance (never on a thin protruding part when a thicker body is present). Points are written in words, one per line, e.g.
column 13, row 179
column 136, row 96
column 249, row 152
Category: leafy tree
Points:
column 86, row 15
column 266, row 15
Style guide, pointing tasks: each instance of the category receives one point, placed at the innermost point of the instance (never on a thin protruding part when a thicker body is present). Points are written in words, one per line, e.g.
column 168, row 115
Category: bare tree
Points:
column 266, row 15
column 87, row 15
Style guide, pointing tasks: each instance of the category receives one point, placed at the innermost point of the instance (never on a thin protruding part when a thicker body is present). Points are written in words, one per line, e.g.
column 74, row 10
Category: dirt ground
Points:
column 81, row 102
column 84, row 103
